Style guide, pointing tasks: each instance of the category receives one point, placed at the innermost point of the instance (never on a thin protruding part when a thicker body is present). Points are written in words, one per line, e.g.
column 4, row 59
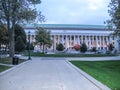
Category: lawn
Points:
column 8, row 61
column 107, row 72
column 69, row 55
column 2, row 68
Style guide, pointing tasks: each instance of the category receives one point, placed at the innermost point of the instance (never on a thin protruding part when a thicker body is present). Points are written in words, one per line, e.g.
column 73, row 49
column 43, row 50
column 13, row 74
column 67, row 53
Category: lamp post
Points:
column 29, row 57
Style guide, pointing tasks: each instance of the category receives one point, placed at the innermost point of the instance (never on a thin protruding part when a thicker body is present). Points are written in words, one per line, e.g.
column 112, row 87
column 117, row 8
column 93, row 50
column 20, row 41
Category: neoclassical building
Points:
column 71, row 34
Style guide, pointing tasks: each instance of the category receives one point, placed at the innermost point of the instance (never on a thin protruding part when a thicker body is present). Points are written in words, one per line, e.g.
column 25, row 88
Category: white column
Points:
column 86, row 40
column 70, row 40
column 58, row 39
column 66, row 41
column 62, row 39
column 78, row 39
column 96, row 42
column 54, row 42
column 89, row 42
column 81, row 39
column 103, row 42
column 100, row 42
column 74, row 40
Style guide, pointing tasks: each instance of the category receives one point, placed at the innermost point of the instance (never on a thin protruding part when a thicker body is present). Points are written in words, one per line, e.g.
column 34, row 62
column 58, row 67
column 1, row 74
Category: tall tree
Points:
column 17, row 11
column 20, row 38
column 114, row 13
column 114, row 22
column 43, row 37
column 83, row 48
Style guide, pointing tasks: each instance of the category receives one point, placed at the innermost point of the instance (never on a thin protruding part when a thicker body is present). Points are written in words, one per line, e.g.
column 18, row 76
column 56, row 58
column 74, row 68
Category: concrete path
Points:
column 48, row 74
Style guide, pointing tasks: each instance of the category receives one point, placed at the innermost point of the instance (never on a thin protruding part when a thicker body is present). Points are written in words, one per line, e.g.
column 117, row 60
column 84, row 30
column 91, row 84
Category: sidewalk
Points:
column 47, row 74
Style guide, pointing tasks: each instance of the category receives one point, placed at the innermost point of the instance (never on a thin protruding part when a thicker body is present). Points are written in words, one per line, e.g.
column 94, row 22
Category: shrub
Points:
column 111, row 47
column 77, row 47
column 60, row 47
column 83, row 48
column 94, row 49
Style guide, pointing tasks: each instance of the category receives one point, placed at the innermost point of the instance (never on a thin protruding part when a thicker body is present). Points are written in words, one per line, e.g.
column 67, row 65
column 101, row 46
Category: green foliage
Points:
column 20, row 38
column 43, row 37
column 3, row 34
column 114, row 12
column 60, row 47
column 83, row 48
column 111, row 47
column 107, row 72
column 94, row 49
column 18, row 11
column 19, row 44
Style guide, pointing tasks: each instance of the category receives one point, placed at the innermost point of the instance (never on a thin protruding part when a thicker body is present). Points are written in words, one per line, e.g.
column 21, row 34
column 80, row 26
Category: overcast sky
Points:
column 88, row 12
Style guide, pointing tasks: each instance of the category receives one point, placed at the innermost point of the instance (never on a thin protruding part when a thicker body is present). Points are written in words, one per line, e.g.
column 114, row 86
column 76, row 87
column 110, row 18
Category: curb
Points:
column 90, row 78
column 13, row 68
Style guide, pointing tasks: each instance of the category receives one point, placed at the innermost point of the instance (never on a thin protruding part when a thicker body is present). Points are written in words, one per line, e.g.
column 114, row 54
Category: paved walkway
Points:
column 48, row 74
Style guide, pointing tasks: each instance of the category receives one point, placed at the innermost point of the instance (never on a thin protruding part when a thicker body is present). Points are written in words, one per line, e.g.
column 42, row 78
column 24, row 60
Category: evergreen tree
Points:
column 60, row 47
column 83, row 48
column 111, row 47
column 19, row 44
column 20, row 38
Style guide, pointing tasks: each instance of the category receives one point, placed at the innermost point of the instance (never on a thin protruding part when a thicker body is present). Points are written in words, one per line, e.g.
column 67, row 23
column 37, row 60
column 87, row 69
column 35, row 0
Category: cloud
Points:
column 74, row 12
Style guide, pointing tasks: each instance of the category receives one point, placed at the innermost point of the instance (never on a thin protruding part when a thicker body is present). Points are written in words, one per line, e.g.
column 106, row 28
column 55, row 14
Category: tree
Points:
column 114, row 12
column 60, row 47
column 17, row 11
column 110, row 46
column 114, row 22
column 83, row 48
column 43, row 37
column 77, row 47
column 19, row 44
column 3, row 35
column 20, row 38
column 94, row 49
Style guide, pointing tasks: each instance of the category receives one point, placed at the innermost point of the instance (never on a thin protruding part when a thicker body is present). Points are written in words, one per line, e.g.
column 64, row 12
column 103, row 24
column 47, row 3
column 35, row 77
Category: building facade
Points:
column 69, row 35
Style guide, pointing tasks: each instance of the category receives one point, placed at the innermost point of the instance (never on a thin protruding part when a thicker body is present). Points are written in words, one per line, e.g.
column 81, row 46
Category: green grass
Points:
column 107, row 72
column 8, row 61
column 2, row 68
column 70, row 55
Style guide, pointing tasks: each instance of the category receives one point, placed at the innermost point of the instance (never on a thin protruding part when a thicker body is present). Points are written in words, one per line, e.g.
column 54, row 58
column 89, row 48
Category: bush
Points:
column 83, row 48
column 77, row 47
column 94, row 49
column 111, row 47
column 60, row 47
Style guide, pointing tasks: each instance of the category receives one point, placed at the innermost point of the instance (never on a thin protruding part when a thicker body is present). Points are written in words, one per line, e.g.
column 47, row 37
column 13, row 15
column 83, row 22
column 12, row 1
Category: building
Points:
column 69, row 35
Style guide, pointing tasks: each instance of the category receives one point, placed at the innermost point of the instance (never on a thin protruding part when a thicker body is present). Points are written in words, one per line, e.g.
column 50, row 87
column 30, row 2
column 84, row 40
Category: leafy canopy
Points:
column 114, row 13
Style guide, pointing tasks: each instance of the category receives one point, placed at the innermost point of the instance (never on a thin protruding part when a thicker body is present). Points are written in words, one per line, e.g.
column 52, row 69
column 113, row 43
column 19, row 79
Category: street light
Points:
column 29, row 57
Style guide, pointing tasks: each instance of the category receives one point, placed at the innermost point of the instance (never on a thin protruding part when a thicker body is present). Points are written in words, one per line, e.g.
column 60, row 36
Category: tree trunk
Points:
column 11, row 42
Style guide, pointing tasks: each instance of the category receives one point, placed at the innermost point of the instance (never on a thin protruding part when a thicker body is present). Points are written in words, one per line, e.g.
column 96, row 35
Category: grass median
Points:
column 3, row 68
column 8, row 62
column 107, row 72
column 68, row 55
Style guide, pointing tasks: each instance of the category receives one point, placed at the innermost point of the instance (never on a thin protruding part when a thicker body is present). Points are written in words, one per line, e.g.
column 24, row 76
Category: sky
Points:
column 89, row 12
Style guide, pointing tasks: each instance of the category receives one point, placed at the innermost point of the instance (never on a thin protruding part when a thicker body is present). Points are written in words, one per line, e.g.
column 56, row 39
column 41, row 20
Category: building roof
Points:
column 66, row 26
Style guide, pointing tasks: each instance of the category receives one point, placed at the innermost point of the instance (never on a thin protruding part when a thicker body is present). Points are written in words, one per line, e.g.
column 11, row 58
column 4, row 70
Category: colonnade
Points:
column 101, row 42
